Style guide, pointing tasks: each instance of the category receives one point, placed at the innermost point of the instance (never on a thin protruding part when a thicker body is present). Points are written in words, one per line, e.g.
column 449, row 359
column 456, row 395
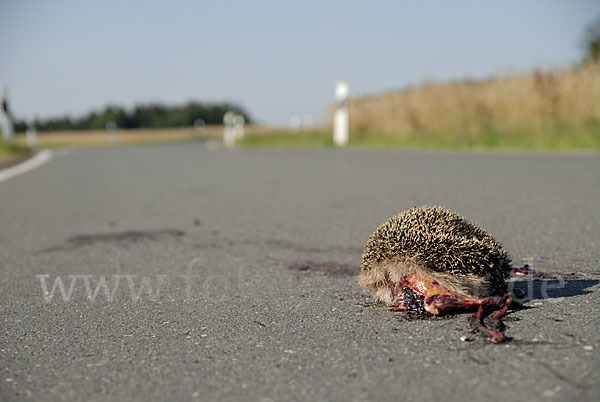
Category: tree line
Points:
column 152, row 115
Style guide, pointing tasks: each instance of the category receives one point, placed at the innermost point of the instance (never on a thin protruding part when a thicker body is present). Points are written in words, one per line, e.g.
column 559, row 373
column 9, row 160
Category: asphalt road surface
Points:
column 230, row 276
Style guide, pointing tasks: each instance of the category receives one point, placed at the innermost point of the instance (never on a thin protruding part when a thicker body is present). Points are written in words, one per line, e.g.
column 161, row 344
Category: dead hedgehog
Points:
column 430, row 261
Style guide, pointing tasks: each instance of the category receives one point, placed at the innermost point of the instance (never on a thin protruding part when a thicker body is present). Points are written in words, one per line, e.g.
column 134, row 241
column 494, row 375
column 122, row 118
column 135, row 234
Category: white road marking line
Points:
column 24, row 167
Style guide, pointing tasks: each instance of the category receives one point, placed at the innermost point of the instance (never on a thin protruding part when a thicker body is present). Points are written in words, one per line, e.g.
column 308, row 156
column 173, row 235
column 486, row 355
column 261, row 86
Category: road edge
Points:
column 29, row 164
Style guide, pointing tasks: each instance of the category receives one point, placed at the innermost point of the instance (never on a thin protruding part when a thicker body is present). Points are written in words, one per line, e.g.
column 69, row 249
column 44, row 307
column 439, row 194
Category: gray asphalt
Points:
column 253, row 253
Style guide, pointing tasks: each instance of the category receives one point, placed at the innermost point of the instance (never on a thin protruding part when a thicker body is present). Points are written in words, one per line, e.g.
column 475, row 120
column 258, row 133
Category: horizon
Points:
column 275, row 61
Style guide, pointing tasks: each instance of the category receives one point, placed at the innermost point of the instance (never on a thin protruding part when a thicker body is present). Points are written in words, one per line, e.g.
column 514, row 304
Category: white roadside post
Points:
column 294, row 124
column 5, row 121
column 31, row 135
column 238, row 126
column 111, row 127
column 340, row 116
column 308, row 122
column 199, row 126
column 228, row 133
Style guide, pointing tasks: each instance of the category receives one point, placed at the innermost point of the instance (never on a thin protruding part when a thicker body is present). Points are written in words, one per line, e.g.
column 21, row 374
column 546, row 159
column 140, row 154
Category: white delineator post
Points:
column 238, row 126
column 199, row 126
column 31, row 135
column 228, row 132
column 341, row 115
column 5, row 120
column 294, row 124
column 111, row 128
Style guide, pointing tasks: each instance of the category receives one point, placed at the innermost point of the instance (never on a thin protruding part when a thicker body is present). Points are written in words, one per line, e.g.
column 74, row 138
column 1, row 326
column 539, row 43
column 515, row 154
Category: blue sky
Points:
column 276, row 58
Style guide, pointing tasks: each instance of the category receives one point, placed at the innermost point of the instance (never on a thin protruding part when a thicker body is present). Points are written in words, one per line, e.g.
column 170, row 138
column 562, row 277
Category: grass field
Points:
column 285, row 139
column 540, row 110
column 100, row 138
column 567, row 139
column 94, row 138
column 12, row 153
column 546, row 111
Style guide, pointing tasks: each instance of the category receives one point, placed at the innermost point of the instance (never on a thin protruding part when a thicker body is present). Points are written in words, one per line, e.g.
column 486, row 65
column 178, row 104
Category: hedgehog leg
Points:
column 495, row 335
column 504, row 309
column 451, row 303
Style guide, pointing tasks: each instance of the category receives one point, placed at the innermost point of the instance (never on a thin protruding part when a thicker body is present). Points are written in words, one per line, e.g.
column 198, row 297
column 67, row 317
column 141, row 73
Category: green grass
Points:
column 11, row 152
column 555, row 139
column 549, row 140
column 287, row 140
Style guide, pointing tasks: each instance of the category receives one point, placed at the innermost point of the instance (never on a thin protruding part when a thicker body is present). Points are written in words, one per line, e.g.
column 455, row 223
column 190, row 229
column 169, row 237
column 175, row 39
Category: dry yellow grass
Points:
column 93, row 138
column 529, row 104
